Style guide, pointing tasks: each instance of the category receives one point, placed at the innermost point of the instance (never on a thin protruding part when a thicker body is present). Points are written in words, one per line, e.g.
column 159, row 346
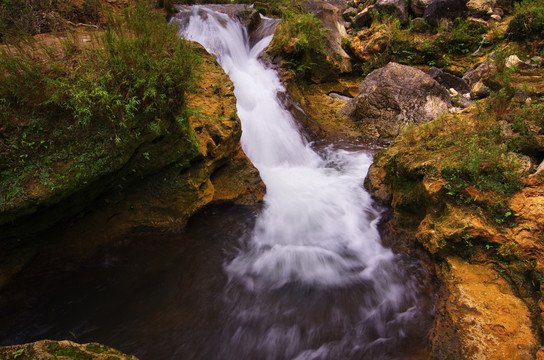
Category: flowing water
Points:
column 317, row 237
column 305, row 277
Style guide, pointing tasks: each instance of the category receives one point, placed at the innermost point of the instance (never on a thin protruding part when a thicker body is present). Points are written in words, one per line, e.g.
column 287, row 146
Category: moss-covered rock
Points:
column 458, row 193
column 53, row 350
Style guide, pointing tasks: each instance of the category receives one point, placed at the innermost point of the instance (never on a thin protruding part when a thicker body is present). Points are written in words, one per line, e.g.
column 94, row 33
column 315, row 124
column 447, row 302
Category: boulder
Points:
column 449, row 81
column 364, row 17
column 393, row 7
column 482, row 318
column 474, row 77
column 444, row 9
column 418, row 6
column 331, row 17
column 50, row 349
column 394, row 96
column 481, row 8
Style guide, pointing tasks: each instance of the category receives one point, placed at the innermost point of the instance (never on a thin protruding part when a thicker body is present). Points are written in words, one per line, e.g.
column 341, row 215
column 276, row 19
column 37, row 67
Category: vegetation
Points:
column 300, row 41
column 528, row 23
column 39, row 16
column 126, row 89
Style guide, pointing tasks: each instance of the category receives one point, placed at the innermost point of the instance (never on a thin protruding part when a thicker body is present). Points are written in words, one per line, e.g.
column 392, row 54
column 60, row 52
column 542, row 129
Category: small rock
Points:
column 453, row 92
column 449, row 80
column 419, row 25
column 497, row 18
column 480, row 91
column 511, row 61
column 537, row 60
column 349, row 14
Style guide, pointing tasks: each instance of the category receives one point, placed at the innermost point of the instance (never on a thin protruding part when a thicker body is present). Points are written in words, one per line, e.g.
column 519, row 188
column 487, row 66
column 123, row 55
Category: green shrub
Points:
column 300, row 41
column 528, row 21
column 131, row 86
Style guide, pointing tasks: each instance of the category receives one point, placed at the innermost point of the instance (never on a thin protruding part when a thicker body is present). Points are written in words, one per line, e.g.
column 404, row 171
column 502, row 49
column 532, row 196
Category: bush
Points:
column 91, row 107
column 528, row 21
column 300, row 41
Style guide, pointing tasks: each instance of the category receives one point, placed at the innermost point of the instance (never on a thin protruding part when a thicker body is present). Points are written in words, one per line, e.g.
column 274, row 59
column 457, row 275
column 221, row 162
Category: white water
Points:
column 318, row 229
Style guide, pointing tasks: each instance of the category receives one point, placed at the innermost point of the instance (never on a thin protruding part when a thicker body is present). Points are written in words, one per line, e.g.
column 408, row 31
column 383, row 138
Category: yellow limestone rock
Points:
column 489, row 320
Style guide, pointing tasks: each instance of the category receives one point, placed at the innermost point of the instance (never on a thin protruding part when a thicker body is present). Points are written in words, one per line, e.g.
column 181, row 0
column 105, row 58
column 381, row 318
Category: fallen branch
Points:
column 82, row 24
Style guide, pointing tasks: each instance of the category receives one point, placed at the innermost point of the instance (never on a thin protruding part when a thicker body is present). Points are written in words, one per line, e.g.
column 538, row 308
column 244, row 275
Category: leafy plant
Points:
column 300, row 40
column 528, row 21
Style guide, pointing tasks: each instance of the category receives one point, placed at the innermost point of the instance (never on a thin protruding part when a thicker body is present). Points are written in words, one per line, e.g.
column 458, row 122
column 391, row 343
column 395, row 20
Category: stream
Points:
column 305, row 276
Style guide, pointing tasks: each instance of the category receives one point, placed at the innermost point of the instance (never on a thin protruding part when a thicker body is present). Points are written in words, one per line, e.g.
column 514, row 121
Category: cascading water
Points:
column 313, row 281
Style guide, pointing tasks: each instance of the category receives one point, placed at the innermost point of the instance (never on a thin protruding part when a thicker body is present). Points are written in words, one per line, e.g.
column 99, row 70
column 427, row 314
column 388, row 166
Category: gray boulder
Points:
column 394, row 96
column 449, row 81
column 394, row 7
column 445, row 9
column 418, row 6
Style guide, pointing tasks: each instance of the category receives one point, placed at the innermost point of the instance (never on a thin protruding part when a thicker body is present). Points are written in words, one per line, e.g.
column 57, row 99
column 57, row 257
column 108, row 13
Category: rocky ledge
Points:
column 49, row 349
column 173, row 189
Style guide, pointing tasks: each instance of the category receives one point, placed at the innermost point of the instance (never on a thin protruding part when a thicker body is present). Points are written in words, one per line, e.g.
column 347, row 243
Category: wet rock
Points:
column 48, row 349
column 394, row 96
column 444, row 9
column 449, row 80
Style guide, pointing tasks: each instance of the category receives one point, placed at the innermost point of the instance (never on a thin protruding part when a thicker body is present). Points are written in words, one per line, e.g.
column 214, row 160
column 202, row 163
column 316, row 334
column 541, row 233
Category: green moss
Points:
column 96, row 348
column 70, row 352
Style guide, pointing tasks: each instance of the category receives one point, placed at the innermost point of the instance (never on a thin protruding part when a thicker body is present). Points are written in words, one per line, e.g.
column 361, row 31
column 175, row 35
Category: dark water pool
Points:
column 165, row 296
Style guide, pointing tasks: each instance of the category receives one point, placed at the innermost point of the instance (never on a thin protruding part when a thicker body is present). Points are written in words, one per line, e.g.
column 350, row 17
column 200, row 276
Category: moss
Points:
column 96, row 348
column 70, row 352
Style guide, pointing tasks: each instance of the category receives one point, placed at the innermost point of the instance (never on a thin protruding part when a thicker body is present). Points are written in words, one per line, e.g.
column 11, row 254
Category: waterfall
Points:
column 315, row 246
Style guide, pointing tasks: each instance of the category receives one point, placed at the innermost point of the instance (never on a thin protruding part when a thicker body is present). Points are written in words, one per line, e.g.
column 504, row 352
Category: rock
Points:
column 481, row 318
column 364, row 17
column 481, row 8
column 461, row 101
column 420, row 25
column 331, row 17
column 418, row 6
column 349, row 14
column 449, row 80
column 48, row 349
column 479, row 91
column 511, row 61
column 476, row 77
column 496, row 17
column 444, row 9
column 394, row 96
column 396, row 8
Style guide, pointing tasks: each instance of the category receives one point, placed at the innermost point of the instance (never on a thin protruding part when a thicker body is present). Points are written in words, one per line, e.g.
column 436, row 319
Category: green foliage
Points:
column 299, row 39
column 528, row 21
column 129, row 89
